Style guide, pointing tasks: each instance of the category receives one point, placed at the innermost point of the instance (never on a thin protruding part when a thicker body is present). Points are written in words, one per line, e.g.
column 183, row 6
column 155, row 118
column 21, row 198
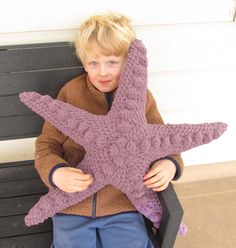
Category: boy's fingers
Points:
column 155, row 182
column 75, row 169
column 83, row 183
column 83, row 176
column 163, row 187
column 152, row 172
column 78, row 188
column 154, row 177
column 79, row 173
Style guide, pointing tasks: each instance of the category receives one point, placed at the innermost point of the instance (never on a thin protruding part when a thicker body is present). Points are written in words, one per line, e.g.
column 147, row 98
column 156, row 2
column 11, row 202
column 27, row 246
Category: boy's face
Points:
column 104, row 71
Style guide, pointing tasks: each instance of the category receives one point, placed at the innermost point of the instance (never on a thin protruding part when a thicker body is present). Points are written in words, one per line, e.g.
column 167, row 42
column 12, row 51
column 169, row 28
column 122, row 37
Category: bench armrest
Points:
column 171, row 219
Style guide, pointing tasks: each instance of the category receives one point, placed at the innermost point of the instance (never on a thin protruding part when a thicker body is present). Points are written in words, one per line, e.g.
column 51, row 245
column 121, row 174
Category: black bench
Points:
column 44, row 68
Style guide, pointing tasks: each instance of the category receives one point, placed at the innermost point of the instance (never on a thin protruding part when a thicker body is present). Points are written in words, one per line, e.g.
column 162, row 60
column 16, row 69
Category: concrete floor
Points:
column 209, row 212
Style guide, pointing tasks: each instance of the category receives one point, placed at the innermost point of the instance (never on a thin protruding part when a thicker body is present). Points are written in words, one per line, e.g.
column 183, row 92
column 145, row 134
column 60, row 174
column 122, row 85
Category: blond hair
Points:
column 112, row 32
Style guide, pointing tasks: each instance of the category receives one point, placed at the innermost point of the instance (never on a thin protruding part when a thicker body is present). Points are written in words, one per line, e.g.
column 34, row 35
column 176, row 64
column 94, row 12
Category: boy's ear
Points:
column 84, row 65
column 85, row 68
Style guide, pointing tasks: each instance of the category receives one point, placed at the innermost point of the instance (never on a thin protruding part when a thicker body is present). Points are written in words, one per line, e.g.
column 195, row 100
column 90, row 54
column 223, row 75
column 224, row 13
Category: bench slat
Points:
column 40, row 81
column 14, row 225
column 18, row 173
column 37, row 58
column 17, row 205
column 16, row 163
column 15, row 127
column 39, row 240
column 12, row 106
column 22, row 188
column 36, row 45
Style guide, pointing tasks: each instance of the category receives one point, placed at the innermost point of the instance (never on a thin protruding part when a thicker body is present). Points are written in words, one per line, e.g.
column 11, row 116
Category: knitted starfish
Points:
column 120, row 145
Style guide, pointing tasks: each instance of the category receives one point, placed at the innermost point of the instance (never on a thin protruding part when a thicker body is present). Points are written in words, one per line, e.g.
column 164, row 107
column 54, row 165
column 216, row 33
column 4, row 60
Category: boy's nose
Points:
column 102, row 70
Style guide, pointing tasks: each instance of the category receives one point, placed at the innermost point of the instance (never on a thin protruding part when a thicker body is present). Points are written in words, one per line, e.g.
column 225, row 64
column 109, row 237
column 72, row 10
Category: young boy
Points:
column 106, row 219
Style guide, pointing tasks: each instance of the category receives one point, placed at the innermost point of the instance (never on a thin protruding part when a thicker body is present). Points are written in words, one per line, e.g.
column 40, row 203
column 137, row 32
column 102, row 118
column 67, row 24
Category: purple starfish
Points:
column 120, row 145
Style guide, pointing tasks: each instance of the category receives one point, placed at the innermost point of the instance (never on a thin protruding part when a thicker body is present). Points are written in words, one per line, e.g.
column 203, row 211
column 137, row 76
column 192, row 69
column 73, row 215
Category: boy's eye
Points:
column 92, row 63
column 112, row 62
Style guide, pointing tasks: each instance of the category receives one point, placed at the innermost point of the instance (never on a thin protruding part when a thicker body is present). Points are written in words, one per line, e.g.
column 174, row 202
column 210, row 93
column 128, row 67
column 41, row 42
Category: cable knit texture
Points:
column 119, row 146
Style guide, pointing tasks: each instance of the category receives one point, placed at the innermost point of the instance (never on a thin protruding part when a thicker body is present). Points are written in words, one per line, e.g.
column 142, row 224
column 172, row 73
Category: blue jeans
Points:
column 123, row 230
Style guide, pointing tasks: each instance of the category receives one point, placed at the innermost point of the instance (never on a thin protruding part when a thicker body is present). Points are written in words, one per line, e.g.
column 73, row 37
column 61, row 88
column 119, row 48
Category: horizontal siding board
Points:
column 205, row 80
column 20, row 126
column 22, row 188
column 222, row 149
column 69, row 16
column 217, row 151
column 200, row 114
column 190, row 47
column 38, row 240
column 7, row 39
column 195, row 96
column 17, row 205
column 37, row 58
column 14, row 150
column 192, row 99
column 53, row 80
column 14, row 225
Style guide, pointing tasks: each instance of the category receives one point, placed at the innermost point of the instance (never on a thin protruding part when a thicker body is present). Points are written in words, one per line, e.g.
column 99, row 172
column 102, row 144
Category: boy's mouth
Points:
column 104, row 81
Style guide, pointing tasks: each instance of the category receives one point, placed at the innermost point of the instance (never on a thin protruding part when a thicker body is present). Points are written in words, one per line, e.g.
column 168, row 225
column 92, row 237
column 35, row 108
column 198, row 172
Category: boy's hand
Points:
column 71, row 179
column 159, row 176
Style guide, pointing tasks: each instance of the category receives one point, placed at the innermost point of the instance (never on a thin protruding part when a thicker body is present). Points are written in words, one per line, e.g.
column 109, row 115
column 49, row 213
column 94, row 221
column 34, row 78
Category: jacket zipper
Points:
column 94, row 205
column 109, row 98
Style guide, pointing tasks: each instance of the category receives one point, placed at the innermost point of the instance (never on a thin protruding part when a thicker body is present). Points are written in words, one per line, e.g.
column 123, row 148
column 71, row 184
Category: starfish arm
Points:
column 148, row 204
column 55, row 201
column 72, row 121
column 171, row 139
column 131, row 93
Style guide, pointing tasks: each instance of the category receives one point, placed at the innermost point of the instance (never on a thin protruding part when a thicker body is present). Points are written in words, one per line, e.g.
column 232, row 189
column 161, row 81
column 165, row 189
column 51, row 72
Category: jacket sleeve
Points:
column 153, row 117
column 49, row 148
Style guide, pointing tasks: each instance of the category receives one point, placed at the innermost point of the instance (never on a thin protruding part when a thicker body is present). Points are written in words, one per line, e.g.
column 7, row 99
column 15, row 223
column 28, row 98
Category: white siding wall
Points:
column 191, row 50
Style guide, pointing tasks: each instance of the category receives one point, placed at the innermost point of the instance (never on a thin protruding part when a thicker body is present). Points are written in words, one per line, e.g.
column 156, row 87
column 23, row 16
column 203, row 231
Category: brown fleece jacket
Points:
column 53, row 147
